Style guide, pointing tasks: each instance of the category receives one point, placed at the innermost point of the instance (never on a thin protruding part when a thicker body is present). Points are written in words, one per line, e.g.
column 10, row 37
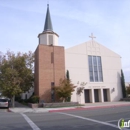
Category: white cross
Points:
column 92, row 36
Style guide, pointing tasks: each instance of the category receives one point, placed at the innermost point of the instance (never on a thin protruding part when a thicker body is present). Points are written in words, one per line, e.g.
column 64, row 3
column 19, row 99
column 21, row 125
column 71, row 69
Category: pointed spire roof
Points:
column 48, row 24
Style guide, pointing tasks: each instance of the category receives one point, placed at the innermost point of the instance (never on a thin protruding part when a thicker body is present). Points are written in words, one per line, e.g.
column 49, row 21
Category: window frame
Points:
column 95, row 68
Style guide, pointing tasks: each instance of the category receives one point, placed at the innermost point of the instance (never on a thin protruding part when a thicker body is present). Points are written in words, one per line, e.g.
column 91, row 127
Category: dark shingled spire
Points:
column 48, row 24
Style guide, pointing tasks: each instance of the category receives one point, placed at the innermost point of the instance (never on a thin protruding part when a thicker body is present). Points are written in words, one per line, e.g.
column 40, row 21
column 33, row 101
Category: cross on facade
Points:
column 92, row 36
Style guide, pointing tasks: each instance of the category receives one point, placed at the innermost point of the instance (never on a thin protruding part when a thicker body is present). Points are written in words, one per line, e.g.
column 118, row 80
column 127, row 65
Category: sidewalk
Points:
column 19, row 105
column 23, row 109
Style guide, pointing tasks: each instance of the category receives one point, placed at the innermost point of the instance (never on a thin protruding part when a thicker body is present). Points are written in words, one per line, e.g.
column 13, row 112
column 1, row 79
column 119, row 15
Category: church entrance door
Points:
column 105, row 95
column 96, row 95
column 87, row 95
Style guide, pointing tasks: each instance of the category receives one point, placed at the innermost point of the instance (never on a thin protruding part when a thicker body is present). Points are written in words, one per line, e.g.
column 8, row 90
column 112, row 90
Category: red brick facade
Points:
column 49, row 67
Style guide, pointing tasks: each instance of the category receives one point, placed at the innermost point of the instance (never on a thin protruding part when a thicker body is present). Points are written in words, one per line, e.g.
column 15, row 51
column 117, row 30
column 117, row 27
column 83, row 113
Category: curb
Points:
column 76, row 108
column 89, row 108
column 8, row 110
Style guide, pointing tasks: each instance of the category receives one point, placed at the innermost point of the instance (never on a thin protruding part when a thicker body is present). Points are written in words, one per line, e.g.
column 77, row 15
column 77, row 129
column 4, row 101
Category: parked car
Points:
column 4, row 103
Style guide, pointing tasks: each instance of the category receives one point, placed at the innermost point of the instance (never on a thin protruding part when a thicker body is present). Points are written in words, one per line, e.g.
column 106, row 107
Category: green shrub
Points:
column 34, row 99
column 128, row 89
column 68, row 99
column 18, row 98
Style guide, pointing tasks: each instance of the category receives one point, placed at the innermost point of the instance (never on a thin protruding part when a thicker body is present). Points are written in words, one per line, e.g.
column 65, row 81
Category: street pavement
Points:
column 13, row 121
column 3, row 110
column 105, row 118
column 100, row 119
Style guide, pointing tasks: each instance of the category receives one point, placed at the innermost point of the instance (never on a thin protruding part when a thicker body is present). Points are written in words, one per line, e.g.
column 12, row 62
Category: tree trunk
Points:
column 63, row 100
column 80, row 99
column 77, row 97
column 13, row 101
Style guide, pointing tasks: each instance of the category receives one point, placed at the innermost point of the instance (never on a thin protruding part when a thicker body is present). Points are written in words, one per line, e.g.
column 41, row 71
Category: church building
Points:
column 89, row 62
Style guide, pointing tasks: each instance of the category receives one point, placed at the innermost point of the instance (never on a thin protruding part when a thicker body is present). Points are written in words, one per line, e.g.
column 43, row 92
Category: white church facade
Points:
column 89, row 62
column 99, row 68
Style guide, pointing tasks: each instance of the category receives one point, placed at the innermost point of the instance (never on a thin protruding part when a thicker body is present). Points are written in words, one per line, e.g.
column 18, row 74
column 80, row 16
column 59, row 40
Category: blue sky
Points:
column 74, row 20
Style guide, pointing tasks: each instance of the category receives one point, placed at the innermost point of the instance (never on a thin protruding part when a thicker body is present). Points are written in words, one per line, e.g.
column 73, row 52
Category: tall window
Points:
column 95, row 69
column 52, row 57
column 50, row 40
column 52, row 92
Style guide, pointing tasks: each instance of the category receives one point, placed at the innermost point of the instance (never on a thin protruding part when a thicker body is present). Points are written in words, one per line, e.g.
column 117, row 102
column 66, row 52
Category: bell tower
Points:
column 48, row 37
column 49, row 62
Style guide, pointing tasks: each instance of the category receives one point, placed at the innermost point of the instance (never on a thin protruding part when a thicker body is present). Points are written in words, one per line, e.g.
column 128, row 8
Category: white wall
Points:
column 76, row 61
column 29, row 94
column 44, row 39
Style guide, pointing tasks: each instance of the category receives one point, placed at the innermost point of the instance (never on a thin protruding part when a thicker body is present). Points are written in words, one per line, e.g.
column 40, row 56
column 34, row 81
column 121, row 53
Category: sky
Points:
column 73, row 20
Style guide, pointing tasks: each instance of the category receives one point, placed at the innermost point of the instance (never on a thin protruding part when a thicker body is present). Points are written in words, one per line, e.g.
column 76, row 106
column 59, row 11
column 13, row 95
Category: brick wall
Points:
column 46, row 71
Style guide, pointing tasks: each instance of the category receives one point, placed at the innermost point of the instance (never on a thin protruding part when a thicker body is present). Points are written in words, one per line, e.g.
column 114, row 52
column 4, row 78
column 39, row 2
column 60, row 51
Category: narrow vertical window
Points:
column 52, row 92
column 90, row 69
column 50, row 40
column 100, row 69
column 52, row 57
column 52, row 84
column 95, row 69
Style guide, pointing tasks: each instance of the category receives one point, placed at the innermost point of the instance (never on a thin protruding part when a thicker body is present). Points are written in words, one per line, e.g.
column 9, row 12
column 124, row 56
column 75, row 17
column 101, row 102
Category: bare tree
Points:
column 80, row 88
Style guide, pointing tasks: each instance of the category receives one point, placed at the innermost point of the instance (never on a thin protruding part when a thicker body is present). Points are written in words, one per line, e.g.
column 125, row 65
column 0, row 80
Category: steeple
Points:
column 48, row 36
column 48, row 24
